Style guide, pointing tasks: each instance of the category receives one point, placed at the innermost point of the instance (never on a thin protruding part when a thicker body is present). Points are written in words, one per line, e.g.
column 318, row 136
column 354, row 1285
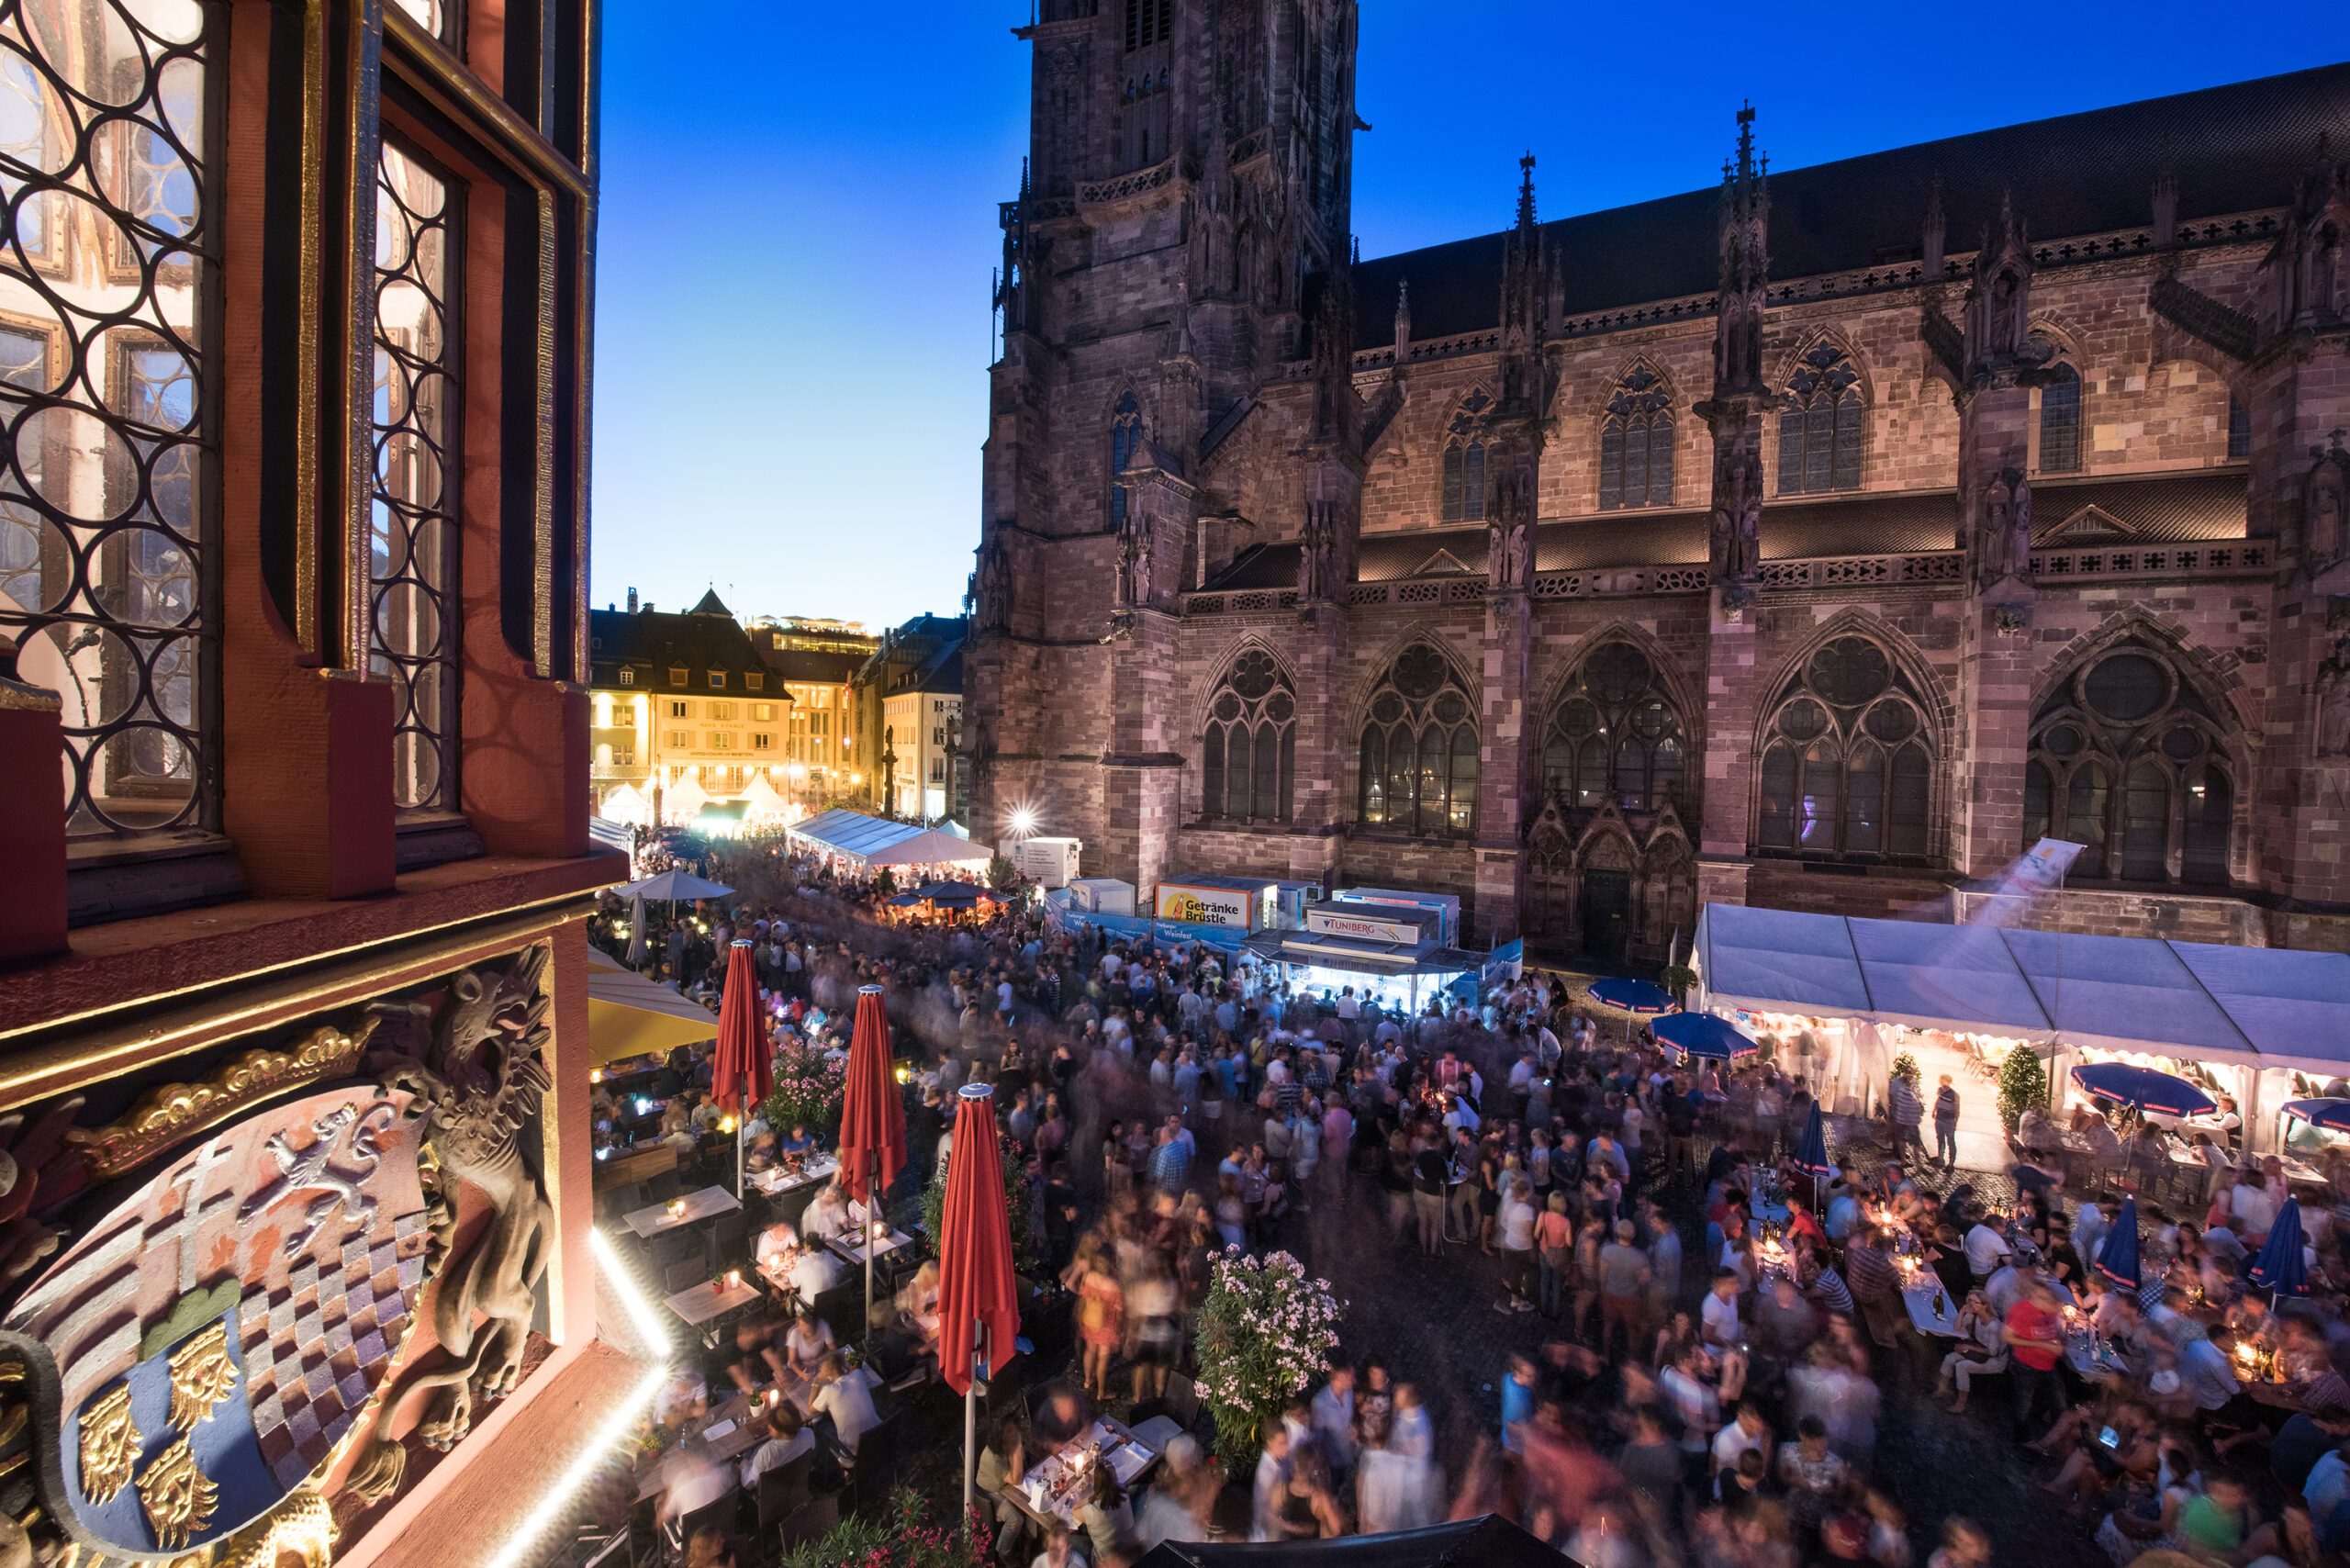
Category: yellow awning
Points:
column 628, row 1015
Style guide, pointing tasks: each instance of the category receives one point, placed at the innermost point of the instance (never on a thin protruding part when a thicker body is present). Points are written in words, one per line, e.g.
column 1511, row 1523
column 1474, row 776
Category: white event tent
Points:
column 875, row 842
column 2256, row 1007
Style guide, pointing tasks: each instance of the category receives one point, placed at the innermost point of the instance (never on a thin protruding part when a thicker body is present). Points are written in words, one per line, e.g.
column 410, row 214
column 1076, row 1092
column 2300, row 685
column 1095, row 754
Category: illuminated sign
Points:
column 1203, row 906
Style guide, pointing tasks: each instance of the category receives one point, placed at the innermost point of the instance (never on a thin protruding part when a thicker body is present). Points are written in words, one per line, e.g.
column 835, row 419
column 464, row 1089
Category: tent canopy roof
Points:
column 877, row 842
column 628, row 1015
column 2264, row 1006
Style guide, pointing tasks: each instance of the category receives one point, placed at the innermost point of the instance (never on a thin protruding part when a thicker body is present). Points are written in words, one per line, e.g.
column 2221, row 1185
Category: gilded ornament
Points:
column 170, row 1112
column 110, row 1440
column 302, row 1526
column 202, row 1376
column 178, row 1496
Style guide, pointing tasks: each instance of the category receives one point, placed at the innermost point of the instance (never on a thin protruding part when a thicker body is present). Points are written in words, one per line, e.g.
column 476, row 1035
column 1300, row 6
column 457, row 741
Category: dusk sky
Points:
column 800, row 200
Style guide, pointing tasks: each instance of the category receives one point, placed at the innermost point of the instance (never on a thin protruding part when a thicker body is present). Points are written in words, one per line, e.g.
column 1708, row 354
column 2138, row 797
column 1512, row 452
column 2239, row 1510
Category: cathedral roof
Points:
column 2105, row 513
column 2235, row 149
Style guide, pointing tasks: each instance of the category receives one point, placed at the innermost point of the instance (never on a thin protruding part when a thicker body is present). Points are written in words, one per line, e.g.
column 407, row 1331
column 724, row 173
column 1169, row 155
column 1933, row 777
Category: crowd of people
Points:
column 1697, row 1342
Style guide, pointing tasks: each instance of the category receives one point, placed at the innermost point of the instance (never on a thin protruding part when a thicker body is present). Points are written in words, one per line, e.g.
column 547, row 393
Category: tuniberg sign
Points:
column 1362, row 927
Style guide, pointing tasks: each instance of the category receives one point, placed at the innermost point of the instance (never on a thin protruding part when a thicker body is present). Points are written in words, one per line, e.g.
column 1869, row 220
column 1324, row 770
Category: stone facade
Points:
column 1957, row 544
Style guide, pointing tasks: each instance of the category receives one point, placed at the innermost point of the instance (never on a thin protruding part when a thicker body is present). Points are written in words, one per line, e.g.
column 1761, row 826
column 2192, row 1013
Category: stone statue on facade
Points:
column 1737, row 549
column 473, row 1062
column 2003, row 530
column 2326, row 507
column 1134, row 565
column 993, row 587
column 2333, row 688
column 1317, row 556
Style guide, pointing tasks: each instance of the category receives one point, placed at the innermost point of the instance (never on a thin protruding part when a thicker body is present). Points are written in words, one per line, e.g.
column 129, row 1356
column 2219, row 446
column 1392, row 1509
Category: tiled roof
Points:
column 2157, row 510
column 661, row 641
column 813, row 666
column 2235, row 149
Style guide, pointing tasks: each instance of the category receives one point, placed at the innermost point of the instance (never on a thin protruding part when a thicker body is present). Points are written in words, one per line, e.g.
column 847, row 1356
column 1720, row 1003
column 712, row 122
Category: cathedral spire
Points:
column 1744, row 233
column 1522, row 290
column 1526, row 194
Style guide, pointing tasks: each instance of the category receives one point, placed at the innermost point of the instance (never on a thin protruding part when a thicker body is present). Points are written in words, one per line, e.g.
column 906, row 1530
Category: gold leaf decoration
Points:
column 110, row 1442
column 202, row 1376
column 302, row 1526
column 170, row 1112
column 178, row 1496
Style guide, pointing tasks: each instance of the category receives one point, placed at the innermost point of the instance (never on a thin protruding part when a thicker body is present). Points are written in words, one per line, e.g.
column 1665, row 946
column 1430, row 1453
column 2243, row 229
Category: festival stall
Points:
column 860, row 845
column 2252, row 1023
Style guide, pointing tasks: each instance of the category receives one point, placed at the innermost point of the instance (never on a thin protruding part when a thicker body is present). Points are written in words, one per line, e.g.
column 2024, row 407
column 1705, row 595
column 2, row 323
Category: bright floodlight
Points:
column 1023, row 821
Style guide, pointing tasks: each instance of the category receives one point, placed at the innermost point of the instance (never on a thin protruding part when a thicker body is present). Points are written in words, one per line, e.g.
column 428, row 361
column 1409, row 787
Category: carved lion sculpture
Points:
column 474, row 1063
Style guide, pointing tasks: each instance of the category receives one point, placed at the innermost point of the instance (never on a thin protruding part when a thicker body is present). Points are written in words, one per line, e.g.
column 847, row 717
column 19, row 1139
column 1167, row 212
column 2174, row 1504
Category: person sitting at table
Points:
column 710, row 1548
column 686, row 1398
column 799, row 1141
column 827, row 1214
column 1002, row 1463
column 691, row 1480
column 811, row 1339
column 777, row 1241
column 756, row 1356
column 813, row 1272
column 918, row 1301
column 759, row 1155
column 843, row 1398
column 1058, row 1411
column 2222, row 1121
column 1981, row 1349
column 787, row 1440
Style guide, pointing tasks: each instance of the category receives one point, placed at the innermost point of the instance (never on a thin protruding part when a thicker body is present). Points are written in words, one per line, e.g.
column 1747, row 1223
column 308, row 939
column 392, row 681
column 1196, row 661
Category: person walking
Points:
column 1901, row 1097
column 1946, row 1125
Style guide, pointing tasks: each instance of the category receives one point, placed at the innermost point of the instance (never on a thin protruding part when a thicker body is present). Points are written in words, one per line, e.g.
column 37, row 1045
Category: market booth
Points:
column 1393, row 951
column 2263, row 1026
column 861, row 845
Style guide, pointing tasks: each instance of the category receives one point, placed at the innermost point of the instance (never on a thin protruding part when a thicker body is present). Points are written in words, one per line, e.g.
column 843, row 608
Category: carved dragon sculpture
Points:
column 478, row 1076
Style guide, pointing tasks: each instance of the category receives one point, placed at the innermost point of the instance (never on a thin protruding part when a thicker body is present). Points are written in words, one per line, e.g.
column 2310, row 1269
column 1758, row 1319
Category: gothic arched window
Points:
column 1616, row 735
column 1848, row 762
column 1464, row 462
column 2129, row 761
column 1636, row 443
column 1819, row 424
column 1248, row 750
column 2060, row 421
column 1125, row 446
column 1418, row 764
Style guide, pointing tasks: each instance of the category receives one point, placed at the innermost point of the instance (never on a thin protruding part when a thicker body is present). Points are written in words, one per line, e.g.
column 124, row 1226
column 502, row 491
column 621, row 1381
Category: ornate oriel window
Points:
column 2060, row 421
column 1418, row 764
column 104, row 132
column 1848, row 764
column 1249, row 751
column 2131, row 762
column 1615, row 736
column 1464, row 461
column 1125, row 446
column 1636, row 443
column 1819, row 424
column 414, row 532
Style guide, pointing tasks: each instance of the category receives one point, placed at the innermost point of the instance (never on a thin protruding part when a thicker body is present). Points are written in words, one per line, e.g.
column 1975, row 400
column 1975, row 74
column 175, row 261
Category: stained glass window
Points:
column 1418, row 767
column 1819, row 424
column 1635, row 445
column 2060, row 422
column 1249, row 747
column 1464, row 461
column 1847, row 766
column 1616, row 735
column 2131, row 762
column 103, row 144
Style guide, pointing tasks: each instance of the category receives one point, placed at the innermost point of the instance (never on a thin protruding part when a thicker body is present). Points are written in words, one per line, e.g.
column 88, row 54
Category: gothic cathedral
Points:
column 1820, row 539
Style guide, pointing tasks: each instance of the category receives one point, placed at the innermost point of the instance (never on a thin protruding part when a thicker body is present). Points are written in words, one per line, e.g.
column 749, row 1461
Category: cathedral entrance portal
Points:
column 1606, row 914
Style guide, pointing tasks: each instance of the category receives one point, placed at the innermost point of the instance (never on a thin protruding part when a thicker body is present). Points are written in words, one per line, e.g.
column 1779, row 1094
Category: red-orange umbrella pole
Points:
column 873, row 1122
column 979, row 1314
column 744, row 1070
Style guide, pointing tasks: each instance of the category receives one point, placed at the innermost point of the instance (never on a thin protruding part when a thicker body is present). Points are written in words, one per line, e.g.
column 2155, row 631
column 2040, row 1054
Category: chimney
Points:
column 1937, row 232
column 632, row 601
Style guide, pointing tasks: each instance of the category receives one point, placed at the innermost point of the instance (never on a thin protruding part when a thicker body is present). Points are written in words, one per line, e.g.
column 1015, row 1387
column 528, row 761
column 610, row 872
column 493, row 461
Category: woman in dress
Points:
column 1100, row 1314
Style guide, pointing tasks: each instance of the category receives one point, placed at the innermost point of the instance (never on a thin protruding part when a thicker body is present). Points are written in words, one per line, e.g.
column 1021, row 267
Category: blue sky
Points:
column 799, row 222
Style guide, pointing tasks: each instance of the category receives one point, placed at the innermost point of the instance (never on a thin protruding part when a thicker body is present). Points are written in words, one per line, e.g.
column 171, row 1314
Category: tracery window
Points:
column 1819, row 424
column 1417, row 769
column 1148, row 22
column 1464, row 461
column 1248, row 750
column 2238, row 428
column 2127, row 760
column 1125, row 446
column 103, row 142
column 414, row 528
column 1636, row 443
column 2060, row 421
column 1615, row 736
column 1848, row 765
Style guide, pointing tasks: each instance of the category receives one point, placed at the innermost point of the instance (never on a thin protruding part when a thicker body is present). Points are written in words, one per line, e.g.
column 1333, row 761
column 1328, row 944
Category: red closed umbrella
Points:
column 873, row 1119
column 745, row 1067
column 978, row 1311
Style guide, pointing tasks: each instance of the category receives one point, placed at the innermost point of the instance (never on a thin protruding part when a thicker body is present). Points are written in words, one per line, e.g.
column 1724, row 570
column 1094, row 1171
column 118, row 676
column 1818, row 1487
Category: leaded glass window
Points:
column 414, row 532
column 1464, row 461
column 1636, row 443
column 1848, row 761
column 1616, row 735
column 1125, row 446
column 1248, row 748
column 2060, row 422
column 2129, row 761
column 2238, row 428
column 1819, row 424
column 1418, row 767
column 103, row 144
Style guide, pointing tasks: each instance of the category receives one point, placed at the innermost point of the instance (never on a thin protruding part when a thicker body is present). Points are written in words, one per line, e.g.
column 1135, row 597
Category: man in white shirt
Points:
column 1985, row 1249
column 1749, row 1430
column 1719, row 1325
column 1272, row 1480
column 848, row 1401
column 787, row 1440
column 774, row 1241
column 813, row 1273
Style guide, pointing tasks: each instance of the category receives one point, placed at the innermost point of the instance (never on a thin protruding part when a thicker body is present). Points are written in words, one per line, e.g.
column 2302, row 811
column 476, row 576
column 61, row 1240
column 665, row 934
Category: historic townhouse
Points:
column 1820, row 539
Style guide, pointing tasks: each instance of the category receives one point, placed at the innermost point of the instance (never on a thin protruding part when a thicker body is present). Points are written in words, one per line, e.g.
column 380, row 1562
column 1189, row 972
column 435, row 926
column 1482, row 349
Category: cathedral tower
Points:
column 1189, row 171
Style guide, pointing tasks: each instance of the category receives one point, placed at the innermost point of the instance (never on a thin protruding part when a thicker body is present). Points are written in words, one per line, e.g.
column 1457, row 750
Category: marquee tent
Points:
column 2253, row 1006
column 874, row 841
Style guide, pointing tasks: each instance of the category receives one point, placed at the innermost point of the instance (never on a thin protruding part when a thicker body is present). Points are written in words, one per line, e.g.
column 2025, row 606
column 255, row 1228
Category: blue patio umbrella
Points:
column 2118, row 1258
column 2280, row 1268
column 1703, row 1035
column 2142, row 1088
column 1631, row 995
column 1811, row 1149
column 2334, row 1114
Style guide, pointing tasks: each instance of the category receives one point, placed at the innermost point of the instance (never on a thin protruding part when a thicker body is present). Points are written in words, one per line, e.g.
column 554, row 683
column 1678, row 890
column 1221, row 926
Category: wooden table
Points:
column 2079, row 1351
column 1067, row 1490
column 777, row 1182
column 1919, row 1296
column 712, row 1298
column 853, row 1252
column 708, row 1203
column 636, row 1162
